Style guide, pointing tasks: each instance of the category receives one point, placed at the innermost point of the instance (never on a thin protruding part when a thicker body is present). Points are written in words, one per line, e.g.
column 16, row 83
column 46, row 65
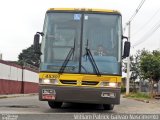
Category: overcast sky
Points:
column 21, row 19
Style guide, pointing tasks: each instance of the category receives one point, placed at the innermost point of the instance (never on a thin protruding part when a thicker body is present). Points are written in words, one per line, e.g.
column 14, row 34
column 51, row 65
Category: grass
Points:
column 139, row 95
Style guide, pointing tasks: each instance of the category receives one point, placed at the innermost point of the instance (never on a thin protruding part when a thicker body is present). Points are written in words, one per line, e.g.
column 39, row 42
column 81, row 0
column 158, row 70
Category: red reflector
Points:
column 48, row 97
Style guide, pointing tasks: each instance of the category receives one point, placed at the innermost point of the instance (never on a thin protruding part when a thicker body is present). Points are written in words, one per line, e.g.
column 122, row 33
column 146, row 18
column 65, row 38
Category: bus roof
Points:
column 84, row 9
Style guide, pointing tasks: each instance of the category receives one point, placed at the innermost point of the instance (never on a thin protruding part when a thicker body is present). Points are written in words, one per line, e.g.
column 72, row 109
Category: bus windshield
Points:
column 68, row 36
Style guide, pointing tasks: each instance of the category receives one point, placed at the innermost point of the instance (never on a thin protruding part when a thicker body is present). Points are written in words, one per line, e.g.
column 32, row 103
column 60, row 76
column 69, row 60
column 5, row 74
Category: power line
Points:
column 145, row 24
column 148, row 34
column 135, row 13
column 137, row 10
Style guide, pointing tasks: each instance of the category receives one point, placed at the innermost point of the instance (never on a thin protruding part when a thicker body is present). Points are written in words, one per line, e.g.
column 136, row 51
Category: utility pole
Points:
column 128, row 60
column 129, row 36
column 0, row 56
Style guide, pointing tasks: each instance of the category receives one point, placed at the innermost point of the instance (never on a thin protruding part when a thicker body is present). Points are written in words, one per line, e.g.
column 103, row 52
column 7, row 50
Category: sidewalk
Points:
column 17, row 95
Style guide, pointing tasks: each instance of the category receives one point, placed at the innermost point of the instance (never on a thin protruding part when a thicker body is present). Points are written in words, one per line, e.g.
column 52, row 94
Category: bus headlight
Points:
column 104, row 84
column 48, row 81
column 112, row 84
column 107, row 84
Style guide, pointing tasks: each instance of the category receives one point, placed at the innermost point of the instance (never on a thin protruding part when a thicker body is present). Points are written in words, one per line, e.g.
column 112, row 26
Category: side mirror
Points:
column 126, row 49
column 36, row 44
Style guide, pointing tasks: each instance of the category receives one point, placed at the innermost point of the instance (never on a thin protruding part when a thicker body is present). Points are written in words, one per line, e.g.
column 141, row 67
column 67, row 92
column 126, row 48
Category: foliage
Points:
column 134, row 67
column 145, row 65
column 123, row 89
column 139, row 95
column 28, row 56
column 150, row 65
column 135, row 64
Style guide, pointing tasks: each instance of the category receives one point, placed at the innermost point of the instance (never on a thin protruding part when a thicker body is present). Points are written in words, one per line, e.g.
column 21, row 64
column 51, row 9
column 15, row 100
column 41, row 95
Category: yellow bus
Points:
column 81, row 54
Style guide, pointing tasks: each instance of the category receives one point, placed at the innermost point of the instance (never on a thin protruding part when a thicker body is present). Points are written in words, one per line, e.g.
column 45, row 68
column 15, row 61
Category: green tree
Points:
column 28, row 56
column 145, row 65
column 150, row 66
column 135, row 64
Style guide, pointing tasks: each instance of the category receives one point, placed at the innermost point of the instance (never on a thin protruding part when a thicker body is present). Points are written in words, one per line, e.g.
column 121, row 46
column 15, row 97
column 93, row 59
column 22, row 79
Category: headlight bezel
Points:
column 49, row 81
column 112, row 84
column 104, row 84
column 108, row 84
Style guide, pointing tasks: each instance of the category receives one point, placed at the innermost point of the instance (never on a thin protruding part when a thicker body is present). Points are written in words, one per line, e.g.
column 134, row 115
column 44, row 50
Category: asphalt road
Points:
column 30, row 106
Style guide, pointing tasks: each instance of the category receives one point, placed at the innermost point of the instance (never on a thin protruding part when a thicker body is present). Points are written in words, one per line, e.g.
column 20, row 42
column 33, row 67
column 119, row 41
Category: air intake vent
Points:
column 89, row 82
column 72, row 82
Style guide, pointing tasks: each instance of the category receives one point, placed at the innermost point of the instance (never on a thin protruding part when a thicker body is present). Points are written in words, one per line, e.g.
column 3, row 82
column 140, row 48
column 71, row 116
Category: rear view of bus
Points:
column 81, row 53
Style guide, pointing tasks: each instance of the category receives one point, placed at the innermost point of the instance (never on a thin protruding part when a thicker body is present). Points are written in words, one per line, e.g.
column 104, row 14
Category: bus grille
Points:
column 89, row 82
column 72, row 82
column 75, row 82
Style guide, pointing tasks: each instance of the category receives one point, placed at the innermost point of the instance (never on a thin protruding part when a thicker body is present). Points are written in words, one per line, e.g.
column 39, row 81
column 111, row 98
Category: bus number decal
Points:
column 51, row 76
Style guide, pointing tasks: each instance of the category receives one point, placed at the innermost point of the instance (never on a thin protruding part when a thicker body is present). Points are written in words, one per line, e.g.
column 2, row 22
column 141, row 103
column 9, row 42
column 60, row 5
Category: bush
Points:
column 123, row 89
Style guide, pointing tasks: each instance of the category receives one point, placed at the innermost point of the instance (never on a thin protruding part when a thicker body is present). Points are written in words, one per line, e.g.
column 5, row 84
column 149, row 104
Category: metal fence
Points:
column 145, row 86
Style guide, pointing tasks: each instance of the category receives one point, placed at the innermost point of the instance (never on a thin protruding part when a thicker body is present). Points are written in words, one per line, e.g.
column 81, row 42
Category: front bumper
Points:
column 81, row 94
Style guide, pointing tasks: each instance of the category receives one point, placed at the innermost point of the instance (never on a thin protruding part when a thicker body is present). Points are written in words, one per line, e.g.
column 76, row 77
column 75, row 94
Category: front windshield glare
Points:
column 101, row 34
column 63, row 32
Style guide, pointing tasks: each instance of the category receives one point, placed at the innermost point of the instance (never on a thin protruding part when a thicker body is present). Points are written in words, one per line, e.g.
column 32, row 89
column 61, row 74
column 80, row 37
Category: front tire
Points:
column 54, row 104
column 108, row 106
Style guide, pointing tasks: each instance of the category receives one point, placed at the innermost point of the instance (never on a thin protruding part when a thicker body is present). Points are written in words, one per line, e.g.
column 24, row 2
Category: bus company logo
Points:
column 79, row 82
column 51, row 76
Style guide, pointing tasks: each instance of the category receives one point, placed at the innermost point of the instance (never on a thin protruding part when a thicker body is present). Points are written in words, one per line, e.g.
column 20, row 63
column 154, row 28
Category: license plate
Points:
column 48, row 97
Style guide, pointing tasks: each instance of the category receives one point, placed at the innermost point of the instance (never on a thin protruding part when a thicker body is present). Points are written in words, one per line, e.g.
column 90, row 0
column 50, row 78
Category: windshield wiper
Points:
column 71, row 52
column 66, row 61
column 91, row 59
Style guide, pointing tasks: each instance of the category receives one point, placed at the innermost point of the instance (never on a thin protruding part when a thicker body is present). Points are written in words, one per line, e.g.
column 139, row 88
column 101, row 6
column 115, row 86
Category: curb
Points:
column 17, row 95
